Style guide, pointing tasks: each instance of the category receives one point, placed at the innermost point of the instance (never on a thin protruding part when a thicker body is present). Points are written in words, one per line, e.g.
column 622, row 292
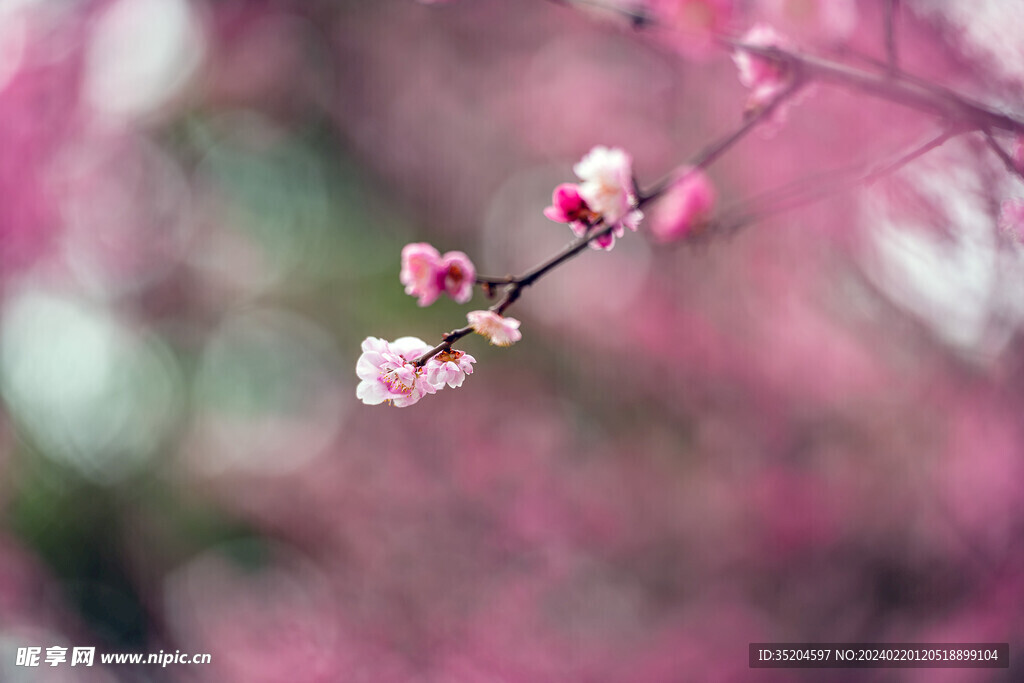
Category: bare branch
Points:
column 892, row 8
column 907, row 91
column 821, row 186
column 1007, row 160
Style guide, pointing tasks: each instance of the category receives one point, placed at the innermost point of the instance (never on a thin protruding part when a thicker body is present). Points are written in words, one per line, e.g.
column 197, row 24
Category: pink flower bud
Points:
column 567, row 206
column 498, row 330
column 685, row 207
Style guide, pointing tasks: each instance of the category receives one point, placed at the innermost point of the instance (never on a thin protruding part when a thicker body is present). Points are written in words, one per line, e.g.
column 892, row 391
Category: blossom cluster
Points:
column 598, row 208
column 605, row 196
column 389, row 373
column 427, row 274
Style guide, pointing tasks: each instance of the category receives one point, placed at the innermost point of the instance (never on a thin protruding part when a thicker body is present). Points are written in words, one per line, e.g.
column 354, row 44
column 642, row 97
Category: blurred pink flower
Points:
column 426, row 274
column 765, row 77
column 693, row 24
column 499, row 330
column 388, row 374
column 1011, row 218
column 685, row 207
column 449, row 367
column 420, row 266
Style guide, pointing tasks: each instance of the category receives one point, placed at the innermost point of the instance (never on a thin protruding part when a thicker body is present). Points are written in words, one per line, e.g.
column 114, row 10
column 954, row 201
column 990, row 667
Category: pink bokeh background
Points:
column 807, row 432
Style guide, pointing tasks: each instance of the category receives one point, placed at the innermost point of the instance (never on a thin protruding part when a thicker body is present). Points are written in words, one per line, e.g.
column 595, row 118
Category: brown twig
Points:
column 1003, row 155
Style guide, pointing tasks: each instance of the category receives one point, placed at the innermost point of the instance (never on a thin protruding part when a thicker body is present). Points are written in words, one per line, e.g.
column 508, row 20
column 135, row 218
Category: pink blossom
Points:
column 1011, row 218
column 426, row 274
column 607, row 186
column 765, row 77
column 685, row 207
column 606, row 192
column 499, row 330
column 567, row 206
column 449, row 367
column 458, row 275
column 388, row 373
column 420, row 266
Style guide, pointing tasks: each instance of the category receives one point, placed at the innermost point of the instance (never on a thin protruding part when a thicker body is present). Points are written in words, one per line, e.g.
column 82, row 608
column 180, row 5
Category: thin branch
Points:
column 712, row 152
column 907, row 91
column 892, row 8
column 914, row 153
column 895, row 86
column 808, row 191
column 515, row 285
column 494, row 281
column 1007, row 160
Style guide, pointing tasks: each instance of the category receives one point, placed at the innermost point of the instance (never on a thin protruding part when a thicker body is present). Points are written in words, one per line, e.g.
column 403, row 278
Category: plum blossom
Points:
column 426, row 274
column 606, row 194
column 607, row 186
column 449, row 367
column 499, row 330
column 458, row 275
column 1011, row 218
column 567, row 206
column 765, row 77
column 685, row 207
column 419, row 272
column 388, row 372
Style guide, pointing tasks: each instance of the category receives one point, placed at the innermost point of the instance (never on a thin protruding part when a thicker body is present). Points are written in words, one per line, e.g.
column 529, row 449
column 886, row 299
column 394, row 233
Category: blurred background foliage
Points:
column 810, row 432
